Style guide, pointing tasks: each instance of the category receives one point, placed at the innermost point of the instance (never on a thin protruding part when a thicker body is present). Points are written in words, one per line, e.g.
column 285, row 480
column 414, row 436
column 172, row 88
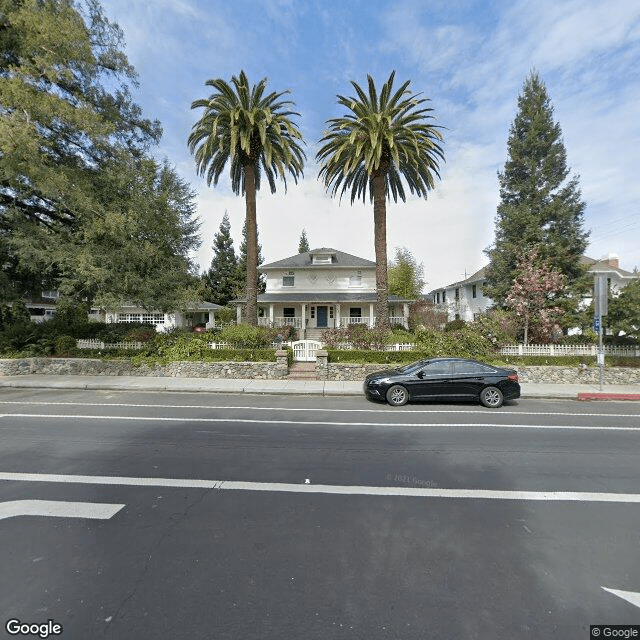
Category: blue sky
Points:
column 470, row 58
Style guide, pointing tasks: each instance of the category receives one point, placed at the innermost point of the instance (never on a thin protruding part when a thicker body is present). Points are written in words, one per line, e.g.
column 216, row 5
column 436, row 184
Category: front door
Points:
column 321, row 317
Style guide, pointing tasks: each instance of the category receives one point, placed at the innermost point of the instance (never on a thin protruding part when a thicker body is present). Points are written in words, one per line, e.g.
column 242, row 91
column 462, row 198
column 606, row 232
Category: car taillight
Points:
column 513, row 376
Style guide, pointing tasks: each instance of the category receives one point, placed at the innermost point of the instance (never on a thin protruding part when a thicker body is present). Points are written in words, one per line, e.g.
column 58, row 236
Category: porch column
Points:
column 336, row 321
column 303, row 320
column 239, row 314
column 271, row 314
column 371, row 318
column 405, row 313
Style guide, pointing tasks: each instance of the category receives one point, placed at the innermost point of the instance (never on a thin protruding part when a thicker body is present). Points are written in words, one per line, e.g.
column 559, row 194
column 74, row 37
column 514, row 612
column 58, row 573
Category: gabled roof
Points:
column 603, row 265
column 304, row 261
column 478, row 276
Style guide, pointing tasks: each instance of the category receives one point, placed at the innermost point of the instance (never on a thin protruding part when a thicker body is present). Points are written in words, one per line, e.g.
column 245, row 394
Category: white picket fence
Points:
column 567, row 350
column 510, row 350
column 98, row 344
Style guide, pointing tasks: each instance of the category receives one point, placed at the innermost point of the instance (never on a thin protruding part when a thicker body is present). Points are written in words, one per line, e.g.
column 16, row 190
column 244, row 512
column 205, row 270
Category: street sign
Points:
column 600, row 295
column 596, row 324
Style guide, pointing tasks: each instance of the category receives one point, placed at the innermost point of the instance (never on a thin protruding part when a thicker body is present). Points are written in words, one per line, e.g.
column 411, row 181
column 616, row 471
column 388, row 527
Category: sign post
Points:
column 600, row 302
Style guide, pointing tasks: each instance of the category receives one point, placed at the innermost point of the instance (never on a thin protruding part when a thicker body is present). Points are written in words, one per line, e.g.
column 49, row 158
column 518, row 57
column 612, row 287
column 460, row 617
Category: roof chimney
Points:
column 613, row 261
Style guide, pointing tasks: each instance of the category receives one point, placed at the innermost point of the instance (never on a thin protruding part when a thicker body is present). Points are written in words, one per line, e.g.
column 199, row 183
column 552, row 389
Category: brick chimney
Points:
column 613, row 261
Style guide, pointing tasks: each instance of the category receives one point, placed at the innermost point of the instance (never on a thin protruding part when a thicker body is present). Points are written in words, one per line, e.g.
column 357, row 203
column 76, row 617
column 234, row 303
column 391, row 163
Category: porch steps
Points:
column 302, row 371
column 314, row 334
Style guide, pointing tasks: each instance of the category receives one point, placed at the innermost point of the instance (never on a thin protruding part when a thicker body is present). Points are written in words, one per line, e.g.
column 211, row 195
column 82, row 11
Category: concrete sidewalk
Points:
column 294, row 387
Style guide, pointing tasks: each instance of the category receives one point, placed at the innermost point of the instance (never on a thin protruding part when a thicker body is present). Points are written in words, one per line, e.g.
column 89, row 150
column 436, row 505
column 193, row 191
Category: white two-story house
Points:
column 320, row 289
column 462, row 300
column 465, row 299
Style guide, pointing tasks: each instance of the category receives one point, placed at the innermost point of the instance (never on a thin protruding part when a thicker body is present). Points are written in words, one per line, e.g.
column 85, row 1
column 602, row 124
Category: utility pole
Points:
column 600, row 302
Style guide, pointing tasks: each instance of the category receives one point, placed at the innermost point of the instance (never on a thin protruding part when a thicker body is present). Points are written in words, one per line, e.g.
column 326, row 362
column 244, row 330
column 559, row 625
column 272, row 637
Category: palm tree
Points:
column 383, row 141
column 254, row 133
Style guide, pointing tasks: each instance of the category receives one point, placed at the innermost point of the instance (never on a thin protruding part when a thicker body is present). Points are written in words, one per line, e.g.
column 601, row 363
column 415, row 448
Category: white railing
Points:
column 344, row 321
column 567, row 350
column 281, row 321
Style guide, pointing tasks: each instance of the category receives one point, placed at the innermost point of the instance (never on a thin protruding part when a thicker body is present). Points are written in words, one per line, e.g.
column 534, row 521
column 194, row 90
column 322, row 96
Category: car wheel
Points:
column 491, row 397
column 397, row 395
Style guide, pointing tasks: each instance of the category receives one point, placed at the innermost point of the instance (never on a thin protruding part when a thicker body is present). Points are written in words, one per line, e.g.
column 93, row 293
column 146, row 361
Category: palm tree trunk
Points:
column 252, row 245
column 380, row 242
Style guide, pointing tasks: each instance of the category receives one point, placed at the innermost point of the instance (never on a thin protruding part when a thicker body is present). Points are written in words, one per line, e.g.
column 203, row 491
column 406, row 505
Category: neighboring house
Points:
column 43, row 308
column 198, row 314
column 462, row 300
column 617, row 278
column 465, row 299
column 319, row 289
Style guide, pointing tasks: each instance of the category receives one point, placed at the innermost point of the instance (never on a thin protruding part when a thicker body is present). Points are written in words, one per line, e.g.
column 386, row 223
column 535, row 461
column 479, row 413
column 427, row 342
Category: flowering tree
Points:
column 532, row 295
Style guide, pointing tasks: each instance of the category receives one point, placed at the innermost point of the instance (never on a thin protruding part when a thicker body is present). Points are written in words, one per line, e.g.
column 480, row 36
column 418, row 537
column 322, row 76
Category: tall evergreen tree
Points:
column 261, row 284
column 303, row 245
column 83, row 207
column 222, row 278
column 540, row 205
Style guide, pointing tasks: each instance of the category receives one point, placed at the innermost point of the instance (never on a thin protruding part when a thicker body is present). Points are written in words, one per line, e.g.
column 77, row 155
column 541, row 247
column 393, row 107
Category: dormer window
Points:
column 321, row 258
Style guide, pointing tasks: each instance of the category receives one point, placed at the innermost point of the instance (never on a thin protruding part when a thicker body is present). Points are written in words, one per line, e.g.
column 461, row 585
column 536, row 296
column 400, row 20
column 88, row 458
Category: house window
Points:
column 355, row 312
column 288, row 280
column 438, row 297
column 152, row 318
column 457, row 293
column 313, row 312
column 444, row 296
column 129, row 317
column 289, row 312
column 331, row 312
column 355, row 281
column 322, row 258
column 474, row 291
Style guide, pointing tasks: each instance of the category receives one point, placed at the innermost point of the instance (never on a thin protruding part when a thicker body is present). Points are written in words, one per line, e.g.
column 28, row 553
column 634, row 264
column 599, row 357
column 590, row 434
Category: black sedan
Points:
column 444, row 379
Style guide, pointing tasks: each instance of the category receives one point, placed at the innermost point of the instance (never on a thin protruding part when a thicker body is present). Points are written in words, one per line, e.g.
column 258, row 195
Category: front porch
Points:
column 310, row 316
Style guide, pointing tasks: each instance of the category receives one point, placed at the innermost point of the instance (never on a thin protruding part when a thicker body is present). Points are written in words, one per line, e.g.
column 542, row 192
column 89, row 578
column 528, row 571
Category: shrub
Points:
column 368, row 356
column 65, row 345
column 225, row 315
column 497, row 326
column 247, row 336
column 359, row 336
column 455, row 325
column 425, row 315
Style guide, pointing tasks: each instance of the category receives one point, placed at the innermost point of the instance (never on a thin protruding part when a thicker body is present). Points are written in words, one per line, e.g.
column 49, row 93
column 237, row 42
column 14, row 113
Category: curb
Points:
column 609, row 396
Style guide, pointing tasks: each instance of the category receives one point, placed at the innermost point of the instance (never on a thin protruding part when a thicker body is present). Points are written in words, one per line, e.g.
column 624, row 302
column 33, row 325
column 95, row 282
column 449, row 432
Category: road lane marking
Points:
column 630, row 596
column 382, row 408
column 280, row 487
column 489, row 425
column 58, row 509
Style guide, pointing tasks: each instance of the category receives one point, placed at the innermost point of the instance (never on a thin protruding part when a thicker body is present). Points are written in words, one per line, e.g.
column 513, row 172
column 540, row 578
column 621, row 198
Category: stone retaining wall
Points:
column 95, row 367
column 278, row 370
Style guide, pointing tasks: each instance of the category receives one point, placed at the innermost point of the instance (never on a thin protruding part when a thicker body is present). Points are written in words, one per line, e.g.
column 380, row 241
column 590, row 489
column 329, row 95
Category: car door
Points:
column 432, row 380
column 468, row 379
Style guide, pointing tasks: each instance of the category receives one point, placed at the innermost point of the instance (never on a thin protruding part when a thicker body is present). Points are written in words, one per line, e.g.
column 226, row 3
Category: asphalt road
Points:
column 259, row 517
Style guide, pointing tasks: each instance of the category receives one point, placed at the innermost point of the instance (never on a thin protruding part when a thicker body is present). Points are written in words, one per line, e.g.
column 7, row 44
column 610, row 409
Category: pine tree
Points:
column 242, row 266
column 540, row 206
column 222, row 278
column 303, row 245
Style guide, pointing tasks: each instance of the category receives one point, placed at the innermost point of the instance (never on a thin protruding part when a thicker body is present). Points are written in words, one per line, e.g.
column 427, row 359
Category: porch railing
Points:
column 281, row 321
